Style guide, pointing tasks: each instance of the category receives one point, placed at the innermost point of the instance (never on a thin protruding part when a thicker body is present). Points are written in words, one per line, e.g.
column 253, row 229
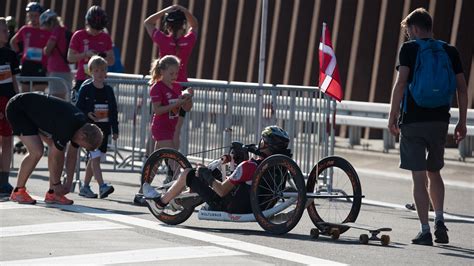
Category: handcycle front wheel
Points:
column 337, row 190
column 278, row 183
column 160, row 170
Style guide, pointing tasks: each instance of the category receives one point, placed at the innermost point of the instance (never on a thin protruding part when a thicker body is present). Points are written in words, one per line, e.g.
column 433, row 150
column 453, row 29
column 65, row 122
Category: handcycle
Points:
column 278, row 193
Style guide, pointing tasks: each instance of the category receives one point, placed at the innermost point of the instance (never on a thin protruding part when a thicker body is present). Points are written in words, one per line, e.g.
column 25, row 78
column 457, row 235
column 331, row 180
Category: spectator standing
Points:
column 56, row 50
column 88, row 42
column 166, row 100
column 33, row 39
column 9, row 67
column 11, row 24
column 423, row 129
column 35, row 118
column 97, row 100
column 178, row 40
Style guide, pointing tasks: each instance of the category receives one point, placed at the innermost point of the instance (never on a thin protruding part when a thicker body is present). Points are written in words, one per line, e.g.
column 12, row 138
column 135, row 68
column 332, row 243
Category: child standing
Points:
column 166, row 99
column 9, row 67
column 97, row 101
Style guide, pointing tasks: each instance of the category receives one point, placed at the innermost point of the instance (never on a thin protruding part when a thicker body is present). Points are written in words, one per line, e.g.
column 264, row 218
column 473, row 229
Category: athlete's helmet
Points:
column 46, row 16
column 276, row 139
column 34, row 7
column 96, row 18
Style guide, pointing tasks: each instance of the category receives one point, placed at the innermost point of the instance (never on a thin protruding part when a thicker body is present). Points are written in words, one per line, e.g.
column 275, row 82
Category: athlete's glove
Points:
column 206, row 174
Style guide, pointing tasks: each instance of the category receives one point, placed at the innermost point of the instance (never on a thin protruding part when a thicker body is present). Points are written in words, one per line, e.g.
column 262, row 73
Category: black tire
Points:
column 276, row 175
column 156, row 172
column 345, row 185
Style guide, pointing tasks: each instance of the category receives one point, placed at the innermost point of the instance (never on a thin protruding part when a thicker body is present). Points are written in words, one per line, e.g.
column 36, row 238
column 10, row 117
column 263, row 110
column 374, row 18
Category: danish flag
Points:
column 329, row 80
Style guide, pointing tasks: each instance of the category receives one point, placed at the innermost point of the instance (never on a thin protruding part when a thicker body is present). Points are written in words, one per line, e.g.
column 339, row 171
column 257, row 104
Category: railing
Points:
column 224, row 112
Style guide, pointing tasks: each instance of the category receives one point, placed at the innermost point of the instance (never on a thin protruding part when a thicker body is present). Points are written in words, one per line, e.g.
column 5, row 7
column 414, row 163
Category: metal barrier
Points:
column 227, row 111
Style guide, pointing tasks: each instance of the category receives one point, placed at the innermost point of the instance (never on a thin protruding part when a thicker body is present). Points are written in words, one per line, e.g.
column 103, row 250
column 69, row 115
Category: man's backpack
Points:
column 434, row 81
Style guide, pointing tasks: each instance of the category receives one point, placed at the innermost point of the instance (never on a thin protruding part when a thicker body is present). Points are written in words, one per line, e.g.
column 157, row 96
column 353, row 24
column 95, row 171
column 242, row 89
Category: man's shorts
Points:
column 5, row 128
column 33, row 69
column 20, row 123
column 422, row 146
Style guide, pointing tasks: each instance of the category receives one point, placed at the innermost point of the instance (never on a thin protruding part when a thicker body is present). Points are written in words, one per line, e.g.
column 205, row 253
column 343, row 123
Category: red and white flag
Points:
column 329, row 80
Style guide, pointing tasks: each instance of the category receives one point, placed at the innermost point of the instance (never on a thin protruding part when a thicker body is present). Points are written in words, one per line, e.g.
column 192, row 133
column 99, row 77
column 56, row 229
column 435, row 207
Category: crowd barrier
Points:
column 234, row 111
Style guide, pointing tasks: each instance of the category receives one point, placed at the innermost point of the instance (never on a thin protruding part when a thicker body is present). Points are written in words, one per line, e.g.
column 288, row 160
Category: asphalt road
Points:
column 113, row 231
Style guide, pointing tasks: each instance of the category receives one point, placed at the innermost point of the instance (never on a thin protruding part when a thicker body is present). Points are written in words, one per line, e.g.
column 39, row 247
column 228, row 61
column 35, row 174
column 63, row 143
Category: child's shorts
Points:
column 5, row 128
column 33, row 69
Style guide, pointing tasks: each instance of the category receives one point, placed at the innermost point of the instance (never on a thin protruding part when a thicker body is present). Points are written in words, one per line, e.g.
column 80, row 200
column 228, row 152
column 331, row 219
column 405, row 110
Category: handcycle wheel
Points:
column 160, row 170
column 337, row 183
column 278, row 180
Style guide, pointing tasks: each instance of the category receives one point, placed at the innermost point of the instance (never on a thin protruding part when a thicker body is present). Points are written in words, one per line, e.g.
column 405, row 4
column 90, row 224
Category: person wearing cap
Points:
column 56, row 50
column 88, row 42
column 33, row 39
column 232, row 193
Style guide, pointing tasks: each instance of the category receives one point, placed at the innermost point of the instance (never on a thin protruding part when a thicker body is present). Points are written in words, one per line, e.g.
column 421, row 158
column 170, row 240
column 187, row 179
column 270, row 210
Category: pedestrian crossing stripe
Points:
column 133, row 256
column 61, row 227
column 10, row 205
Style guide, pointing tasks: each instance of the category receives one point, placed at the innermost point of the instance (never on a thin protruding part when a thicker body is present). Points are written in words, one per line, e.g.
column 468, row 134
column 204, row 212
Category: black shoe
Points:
column 423, row 239
column 441, row 233
column 189, row 201
column 6, row 189
column 139, row 200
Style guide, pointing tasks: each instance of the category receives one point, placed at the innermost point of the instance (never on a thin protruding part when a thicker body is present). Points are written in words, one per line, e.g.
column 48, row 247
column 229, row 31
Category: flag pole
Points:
column 261, row 67
column 323, row 37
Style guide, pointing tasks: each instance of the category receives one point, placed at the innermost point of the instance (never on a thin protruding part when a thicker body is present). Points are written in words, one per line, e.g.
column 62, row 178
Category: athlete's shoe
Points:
column 423, row 239
column 441, row 233
column 21, row 196
column 86, row 192
column 52, row 198
column 139, row 200
column 149, row 192
column 105, row 190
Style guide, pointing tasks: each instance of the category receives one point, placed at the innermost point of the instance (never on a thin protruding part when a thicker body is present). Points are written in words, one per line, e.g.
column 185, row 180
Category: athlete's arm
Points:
column 460, row 131
column 49, row 47
column 222, row 188
column 110, row 57
column 159, row 109
column 192, row 21
column 73, row 56
column 397, row 95
column 14, row 43
column 152, row 21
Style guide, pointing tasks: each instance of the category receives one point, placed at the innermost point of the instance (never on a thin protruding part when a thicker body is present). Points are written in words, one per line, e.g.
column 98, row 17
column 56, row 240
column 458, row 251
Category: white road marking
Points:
column 63, row 227
column 402, row 207
column 10, row 205
column 452, row 183
column 201, row 236
column 133, row 256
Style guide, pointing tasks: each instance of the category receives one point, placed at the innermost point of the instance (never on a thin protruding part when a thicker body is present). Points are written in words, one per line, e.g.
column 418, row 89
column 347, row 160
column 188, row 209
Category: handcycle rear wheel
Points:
column 278, row 180
column 337, row 183
column 160, row 170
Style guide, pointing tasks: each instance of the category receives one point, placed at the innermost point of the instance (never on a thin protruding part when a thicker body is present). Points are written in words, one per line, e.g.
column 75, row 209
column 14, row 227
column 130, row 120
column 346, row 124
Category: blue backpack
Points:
column 434, row 81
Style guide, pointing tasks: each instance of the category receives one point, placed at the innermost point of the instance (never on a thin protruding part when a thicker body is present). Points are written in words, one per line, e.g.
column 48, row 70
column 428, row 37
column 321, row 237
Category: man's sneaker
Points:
column 86, row 192
column 52, row 198
column 423, row 239
column 22, row 197
column 441, row 233
column 139, row 200
column 105, row 190
column 149, row 192
column 6, row 189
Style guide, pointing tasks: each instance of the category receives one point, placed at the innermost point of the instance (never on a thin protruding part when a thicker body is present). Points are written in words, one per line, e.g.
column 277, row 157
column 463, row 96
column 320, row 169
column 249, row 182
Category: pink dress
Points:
column 164, row 125
column 34, row 40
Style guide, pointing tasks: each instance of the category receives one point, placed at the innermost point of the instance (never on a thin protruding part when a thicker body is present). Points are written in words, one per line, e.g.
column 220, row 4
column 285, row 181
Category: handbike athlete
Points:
column 233, row 193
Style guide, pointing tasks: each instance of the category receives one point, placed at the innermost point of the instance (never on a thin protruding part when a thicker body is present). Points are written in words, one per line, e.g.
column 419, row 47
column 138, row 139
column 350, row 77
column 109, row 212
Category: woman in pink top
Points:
column 88, row 42
column 166, row 99
column 56, row 50
column 34, row 39
column 178, row 40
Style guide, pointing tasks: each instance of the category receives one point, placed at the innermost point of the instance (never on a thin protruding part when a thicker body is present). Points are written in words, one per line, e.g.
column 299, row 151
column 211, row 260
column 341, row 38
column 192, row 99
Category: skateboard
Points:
column 334, row 230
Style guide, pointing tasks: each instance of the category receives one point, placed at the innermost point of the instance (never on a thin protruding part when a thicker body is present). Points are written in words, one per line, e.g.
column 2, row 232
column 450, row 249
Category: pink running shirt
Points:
column 34, row 40
column 57, row 58
column 83, row 41
column 182, row 48
column 164, row 123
